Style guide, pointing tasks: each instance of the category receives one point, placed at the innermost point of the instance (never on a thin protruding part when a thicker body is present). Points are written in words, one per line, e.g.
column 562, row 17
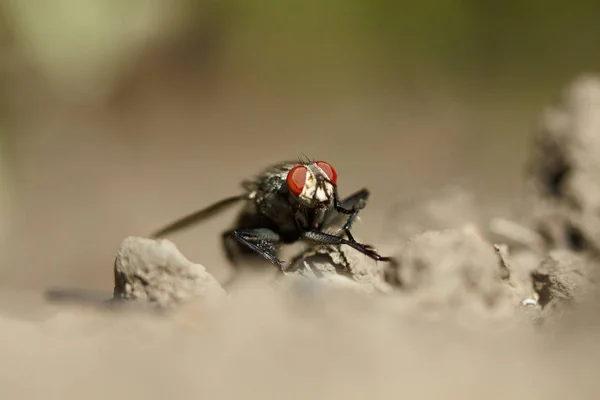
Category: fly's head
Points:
column 312, row 184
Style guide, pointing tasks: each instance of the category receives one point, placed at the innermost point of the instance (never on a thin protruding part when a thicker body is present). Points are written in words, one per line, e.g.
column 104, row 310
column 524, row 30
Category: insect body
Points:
column 285, row 203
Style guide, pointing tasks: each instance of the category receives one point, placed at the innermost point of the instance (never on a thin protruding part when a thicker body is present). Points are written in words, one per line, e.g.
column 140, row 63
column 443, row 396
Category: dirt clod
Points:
column 564, row 278
column 452, row 269
column 155, row 271
column 564, row 172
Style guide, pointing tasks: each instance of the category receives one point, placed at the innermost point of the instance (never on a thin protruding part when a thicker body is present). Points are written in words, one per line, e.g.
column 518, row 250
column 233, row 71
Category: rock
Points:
column 155, row 271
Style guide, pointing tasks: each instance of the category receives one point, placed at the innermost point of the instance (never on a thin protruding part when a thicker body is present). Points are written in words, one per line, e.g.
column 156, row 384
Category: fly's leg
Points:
column 263, row 241
column 351, row 206
column 356, row 202
column 326, row 238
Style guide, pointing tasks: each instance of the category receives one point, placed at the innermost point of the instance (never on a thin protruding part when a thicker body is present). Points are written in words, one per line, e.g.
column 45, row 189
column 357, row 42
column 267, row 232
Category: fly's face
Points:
column 312, row 184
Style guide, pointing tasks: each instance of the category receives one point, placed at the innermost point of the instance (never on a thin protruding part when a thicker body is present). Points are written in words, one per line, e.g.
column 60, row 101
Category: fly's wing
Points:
column 198, row 216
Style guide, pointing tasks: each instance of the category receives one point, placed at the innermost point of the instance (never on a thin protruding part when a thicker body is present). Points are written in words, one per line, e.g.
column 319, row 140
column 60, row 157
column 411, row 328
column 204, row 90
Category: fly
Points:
column 287, row 202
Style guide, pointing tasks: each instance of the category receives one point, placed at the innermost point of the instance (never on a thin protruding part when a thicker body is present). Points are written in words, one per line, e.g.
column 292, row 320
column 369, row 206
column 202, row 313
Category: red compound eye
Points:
column 296, row 179
column 328, row 169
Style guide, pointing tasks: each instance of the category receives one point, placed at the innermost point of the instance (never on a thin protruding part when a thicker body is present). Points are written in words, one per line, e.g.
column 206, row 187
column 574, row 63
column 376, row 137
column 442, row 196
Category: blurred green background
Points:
column 119, row 115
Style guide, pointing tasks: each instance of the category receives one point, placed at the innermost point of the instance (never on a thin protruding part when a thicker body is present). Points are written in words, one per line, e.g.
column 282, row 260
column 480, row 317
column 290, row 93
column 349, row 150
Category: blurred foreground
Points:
column 266, row 345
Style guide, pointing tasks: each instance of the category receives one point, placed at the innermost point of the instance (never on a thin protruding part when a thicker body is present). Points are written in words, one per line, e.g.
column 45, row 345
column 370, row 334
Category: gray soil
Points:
column 475, row 308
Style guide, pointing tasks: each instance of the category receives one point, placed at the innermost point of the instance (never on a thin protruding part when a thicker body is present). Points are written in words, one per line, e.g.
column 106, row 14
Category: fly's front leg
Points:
column 326, row 238
column 351, row 206
column 263, row 241
column 356, row 202
column 352, row 203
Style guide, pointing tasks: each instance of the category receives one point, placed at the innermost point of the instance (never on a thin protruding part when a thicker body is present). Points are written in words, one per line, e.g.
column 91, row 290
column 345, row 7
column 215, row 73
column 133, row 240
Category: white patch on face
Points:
column 310, row 186
column 311, row 192
column 321, row 195
column 326, row 191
